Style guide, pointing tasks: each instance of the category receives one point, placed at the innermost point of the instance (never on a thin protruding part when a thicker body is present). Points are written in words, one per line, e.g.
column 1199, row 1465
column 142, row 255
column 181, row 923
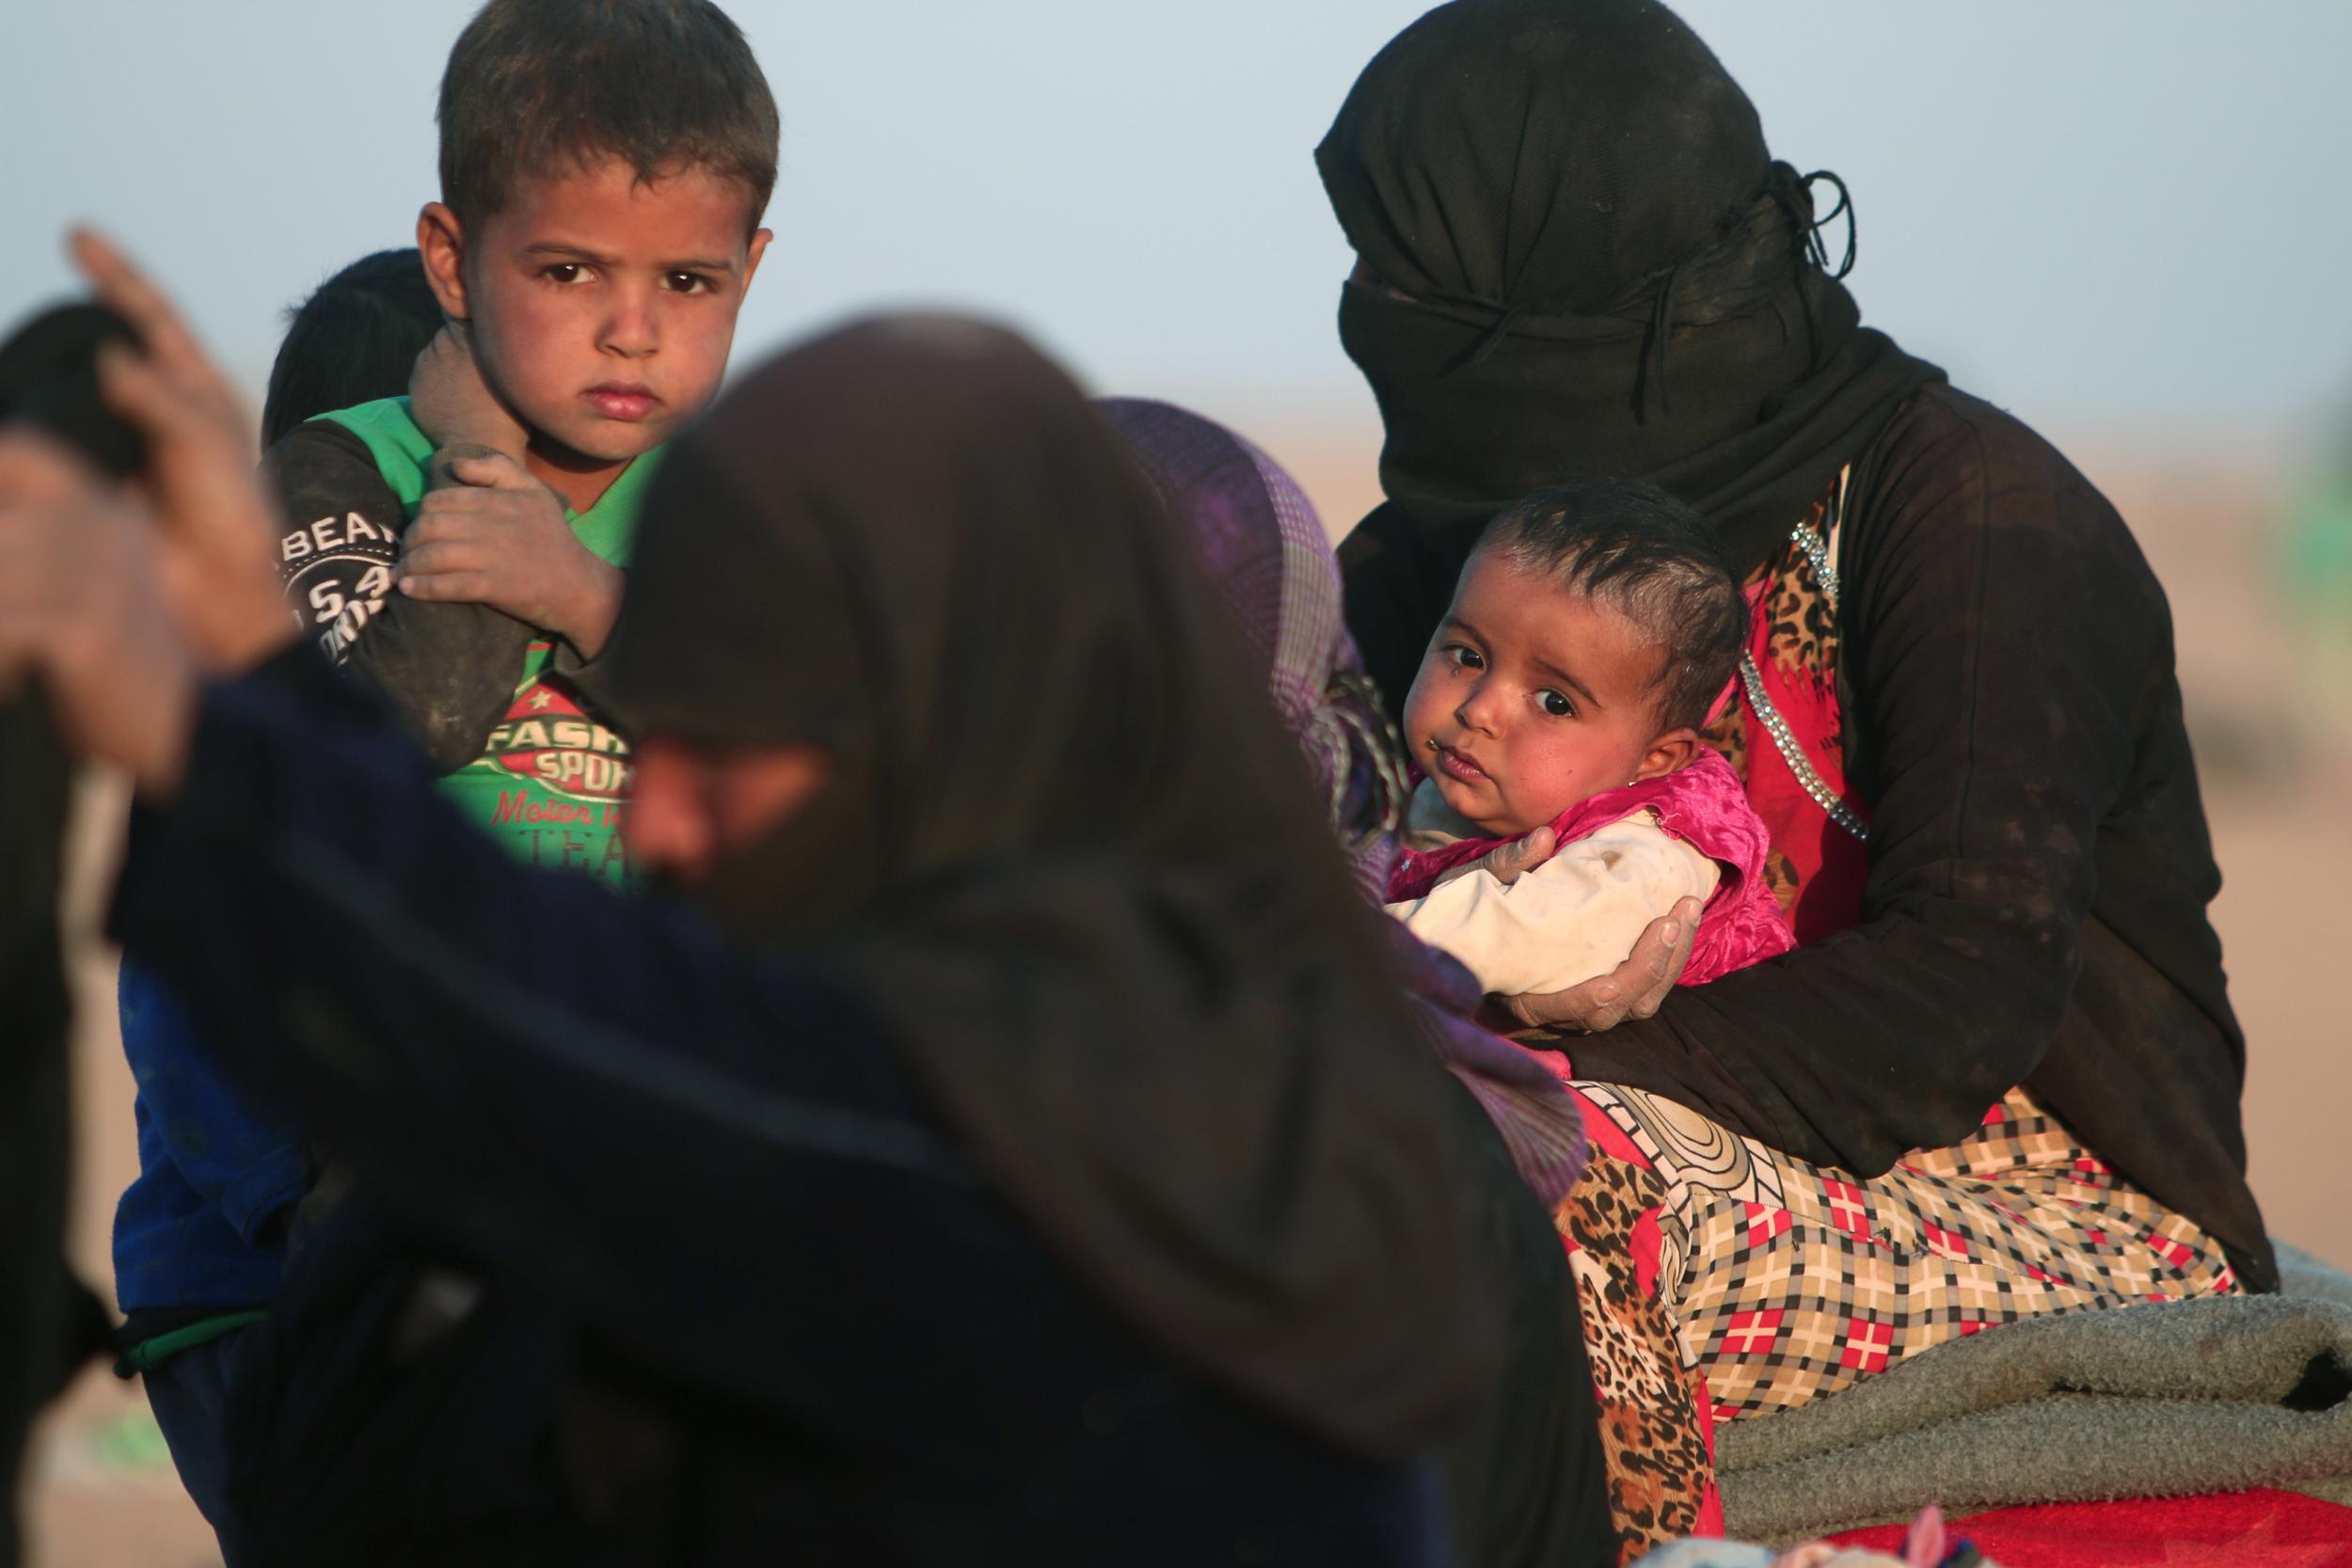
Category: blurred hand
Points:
column 1635, row 989
column 500, row 537
column 216, row 527
column 82, row 608
column 454, row 406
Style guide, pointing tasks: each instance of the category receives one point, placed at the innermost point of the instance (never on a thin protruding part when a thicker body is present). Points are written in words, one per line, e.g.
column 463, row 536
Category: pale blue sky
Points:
column 2116, row 216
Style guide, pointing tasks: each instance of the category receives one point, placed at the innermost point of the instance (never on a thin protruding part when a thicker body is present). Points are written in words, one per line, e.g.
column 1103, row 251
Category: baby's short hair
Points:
column 353, row 342
column 545, row 86
column 1653, row 559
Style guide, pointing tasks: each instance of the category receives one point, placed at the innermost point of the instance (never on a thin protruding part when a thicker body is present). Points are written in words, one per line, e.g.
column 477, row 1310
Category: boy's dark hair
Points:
column 539, row 87
column 354, row 340
column 1653, row 559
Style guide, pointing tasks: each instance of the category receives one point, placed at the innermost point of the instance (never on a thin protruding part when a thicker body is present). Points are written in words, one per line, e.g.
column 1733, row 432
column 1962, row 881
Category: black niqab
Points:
column 1587, row 266
column 1070, row 860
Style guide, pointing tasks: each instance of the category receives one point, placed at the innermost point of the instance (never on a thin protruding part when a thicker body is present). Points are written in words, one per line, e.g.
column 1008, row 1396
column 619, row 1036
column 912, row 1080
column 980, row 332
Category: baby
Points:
column 1593, row 632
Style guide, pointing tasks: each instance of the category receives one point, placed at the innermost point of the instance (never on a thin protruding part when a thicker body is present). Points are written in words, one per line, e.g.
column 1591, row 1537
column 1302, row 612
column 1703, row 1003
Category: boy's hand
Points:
column 453, row 404
column 499, row 537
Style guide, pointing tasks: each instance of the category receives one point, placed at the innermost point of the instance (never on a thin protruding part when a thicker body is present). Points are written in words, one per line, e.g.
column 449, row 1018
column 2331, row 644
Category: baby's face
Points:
column 1531, row 699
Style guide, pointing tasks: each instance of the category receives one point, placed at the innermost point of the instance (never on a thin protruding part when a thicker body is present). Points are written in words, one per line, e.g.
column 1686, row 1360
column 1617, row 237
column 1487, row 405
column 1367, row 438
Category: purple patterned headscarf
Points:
column 1272, row 564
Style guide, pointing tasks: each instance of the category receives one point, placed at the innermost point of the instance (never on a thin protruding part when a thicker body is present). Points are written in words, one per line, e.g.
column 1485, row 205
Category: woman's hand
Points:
column 1507, row 862
column 215, row 528
column 1635, row 989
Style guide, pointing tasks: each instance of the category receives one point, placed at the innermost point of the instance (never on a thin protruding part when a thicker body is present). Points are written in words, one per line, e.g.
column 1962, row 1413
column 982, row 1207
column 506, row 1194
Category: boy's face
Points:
column 1533, row 698
column 602, row 308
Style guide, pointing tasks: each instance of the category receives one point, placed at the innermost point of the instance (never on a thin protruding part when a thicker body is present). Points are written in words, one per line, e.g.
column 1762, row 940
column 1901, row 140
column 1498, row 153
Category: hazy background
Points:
column 2105, row 213
column 2127, row 220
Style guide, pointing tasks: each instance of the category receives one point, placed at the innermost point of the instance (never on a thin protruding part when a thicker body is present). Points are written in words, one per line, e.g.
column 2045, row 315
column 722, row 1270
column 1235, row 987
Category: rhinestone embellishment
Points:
column 1816, row 551
column 1785, row 741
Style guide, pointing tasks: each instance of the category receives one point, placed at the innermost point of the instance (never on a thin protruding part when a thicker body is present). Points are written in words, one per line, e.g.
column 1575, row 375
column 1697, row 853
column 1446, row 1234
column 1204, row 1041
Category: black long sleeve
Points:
column 447, row 670
column 2040, row 869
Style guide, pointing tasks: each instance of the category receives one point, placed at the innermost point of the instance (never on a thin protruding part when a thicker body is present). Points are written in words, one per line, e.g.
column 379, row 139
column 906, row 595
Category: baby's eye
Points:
column 1463, row 658
column 687, row 283
column 1556, row 704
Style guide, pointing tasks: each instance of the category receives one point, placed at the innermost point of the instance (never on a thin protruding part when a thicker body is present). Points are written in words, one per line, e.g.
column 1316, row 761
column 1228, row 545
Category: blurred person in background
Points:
column 1523, row 1480
column 354, row 340
column 50, row 1323
column 2001, row 1076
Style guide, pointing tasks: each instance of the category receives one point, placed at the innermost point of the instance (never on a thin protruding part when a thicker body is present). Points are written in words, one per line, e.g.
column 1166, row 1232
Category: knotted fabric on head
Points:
column 1269, row 561
column 1159, row 1023
column 1586, row 265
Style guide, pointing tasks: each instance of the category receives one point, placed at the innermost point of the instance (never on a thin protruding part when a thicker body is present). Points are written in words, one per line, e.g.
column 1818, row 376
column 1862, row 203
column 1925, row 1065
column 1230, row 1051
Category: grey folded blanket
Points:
column 2165, row 1398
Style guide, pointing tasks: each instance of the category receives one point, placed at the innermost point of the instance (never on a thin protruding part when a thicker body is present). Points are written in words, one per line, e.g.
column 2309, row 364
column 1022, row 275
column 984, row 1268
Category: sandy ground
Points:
column 103, row 1492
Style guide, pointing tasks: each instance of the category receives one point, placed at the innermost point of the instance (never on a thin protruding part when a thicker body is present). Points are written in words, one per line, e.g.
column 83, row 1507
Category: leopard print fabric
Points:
column 1799, row 617
column 1654, row 1435
column 1801, row 622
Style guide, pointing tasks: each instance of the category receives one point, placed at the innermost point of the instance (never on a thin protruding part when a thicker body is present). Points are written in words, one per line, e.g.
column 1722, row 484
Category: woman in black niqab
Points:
column 1957, row 714
column 1578, row 262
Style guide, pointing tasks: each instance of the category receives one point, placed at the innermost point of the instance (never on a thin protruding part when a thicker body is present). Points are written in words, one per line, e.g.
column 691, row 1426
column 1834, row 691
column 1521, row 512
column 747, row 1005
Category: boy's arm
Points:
column 1572, row 918
column 447, row 669
column 496, row 536
column 488, row 533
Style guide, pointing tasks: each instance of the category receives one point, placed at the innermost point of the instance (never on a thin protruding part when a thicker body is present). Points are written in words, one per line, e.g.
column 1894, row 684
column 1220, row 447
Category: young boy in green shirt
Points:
column 604, row 169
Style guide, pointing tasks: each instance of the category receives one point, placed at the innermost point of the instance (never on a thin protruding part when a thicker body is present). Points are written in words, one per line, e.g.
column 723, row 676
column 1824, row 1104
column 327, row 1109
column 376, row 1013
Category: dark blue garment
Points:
column 195, row 1229
column 194, row 1395
column 698, row 1185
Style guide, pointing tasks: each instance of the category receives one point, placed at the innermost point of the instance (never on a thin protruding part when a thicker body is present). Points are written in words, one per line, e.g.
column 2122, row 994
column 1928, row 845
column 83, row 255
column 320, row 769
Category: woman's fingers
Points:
column 1597, row 1005
column 136, row 389
column 1635, row 989
column 78, row 603
column 1515, row 859
column 168, row 386
column 1507, row 862
column 1665, row 950
column 162, row 336
column 214, row 524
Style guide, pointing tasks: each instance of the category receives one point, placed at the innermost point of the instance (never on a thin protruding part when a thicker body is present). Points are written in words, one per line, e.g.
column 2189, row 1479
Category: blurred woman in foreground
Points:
column 1036, row 1163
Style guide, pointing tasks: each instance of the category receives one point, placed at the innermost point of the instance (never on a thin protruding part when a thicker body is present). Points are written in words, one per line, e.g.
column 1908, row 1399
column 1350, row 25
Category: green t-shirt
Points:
column 553, row 783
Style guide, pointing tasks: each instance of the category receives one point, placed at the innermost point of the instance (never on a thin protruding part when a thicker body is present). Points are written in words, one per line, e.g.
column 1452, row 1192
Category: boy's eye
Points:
column 687, row 283
column 1556, row 704
column 1462, row 658
column 563, row 272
